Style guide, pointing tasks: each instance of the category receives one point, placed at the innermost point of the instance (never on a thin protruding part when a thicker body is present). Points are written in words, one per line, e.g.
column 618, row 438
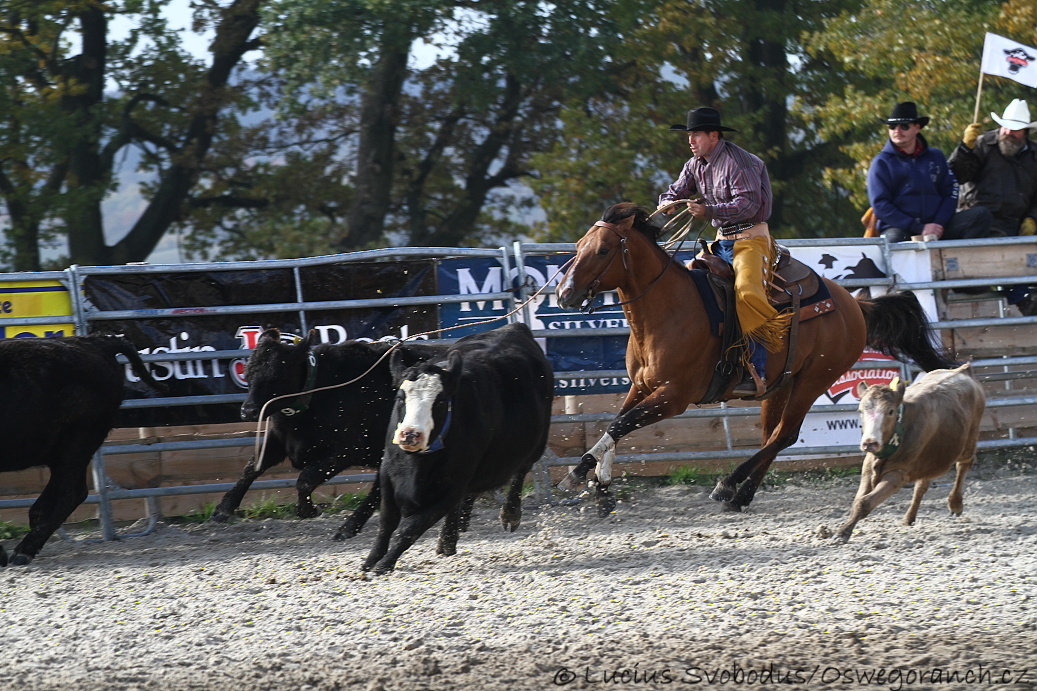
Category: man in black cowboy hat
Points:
column 911, row 188
column 729, row 187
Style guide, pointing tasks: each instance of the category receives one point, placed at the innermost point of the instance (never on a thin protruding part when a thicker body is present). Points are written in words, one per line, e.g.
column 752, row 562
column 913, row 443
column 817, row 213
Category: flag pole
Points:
column 979, row 90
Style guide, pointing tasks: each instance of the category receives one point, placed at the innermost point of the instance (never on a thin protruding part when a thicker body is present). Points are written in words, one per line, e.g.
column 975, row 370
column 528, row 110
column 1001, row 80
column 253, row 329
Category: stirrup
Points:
column 752, row 384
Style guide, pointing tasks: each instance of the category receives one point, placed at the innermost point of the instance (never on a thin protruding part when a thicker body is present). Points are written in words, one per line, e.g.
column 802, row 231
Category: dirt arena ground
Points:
column 669, row 591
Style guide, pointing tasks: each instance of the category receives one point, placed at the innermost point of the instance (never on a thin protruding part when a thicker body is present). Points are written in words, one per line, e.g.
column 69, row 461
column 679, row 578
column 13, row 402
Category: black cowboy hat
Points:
column 703, row 120
column 905, row 112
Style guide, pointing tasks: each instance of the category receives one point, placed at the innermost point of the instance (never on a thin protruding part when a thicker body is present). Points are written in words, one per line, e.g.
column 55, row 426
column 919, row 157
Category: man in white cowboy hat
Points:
column 912, row 189
column 730, row 188
column 997, row 170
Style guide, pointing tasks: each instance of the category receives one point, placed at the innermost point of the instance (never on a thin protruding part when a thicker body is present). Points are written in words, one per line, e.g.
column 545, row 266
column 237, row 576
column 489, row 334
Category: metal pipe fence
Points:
column 84, row 315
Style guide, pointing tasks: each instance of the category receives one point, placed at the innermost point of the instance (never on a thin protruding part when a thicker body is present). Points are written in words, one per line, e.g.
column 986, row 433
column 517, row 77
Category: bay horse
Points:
column 672, row 352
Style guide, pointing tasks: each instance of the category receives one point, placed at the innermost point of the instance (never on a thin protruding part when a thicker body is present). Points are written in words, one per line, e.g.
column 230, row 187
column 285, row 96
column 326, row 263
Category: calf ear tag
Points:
column 894, row 384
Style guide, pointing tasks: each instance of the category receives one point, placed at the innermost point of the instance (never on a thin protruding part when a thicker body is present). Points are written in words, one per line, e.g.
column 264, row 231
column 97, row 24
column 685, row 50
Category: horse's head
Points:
column 603, row 255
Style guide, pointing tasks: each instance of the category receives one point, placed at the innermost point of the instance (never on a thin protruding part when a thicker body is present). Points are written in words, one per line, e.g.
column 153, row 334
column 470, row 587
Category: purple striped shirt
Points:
column 733, row 182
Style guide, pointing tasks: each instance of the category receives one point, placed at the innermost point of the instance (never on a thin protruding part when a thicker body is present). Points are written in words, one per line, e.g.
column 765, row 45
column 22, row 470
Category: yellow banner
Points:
column 23, row 299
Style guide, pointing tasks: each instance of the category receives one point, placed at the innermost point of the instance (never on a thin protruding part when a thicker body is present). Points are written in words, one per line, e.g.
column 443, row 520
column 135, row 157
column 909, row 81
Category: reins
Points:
column 677, row 238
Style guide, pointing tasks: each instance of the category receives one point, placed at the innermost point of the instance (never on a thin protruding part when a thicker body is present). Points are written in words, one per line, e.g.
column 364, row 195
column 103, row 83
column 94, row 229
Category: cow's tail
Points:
column 899, row 327
column 122, row 345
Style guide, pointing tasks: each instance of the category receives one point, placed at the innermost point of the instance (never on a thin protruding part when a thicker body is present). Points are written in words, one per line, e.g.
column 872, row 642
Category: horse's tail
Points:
column 898, row 326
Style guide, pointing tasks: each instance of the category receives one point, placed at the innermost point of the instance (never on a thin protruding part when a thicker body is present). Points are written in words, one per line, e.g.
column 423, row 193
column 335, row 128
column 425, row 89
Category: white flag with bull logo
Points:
column 1005, row 58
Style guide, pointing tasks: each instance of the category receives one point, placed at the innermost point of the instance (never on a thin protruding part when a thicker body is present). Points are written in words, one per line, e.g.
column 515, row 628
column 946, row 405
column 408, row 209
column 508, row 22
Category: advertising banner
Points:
column 202, row 322
column 822, row 428
column 569, row 352
column 194, row 312
column 24, row 299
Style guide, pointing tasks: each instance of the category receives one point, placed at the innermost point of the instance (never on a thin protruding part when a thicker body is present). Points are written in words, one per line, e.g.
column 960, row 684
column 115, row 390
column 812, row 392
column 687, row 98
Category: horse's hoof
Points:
column 732, row 507
column 20, row 559
column 220, row 517
column 3, row 556
column 722, row 492
column 605, row 501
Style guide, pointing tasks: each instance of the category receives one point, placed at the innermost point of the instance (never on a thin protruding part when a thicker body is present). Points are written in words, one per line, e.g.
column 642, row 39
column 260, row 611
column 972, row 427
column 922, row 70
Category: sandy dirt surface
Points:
column 667, row 592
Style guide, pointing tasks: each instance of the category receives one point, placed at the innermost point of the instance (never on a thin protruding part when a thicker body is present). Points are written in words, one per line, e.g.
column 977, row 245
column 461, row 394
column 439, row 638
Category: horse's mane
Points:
column 623, row 210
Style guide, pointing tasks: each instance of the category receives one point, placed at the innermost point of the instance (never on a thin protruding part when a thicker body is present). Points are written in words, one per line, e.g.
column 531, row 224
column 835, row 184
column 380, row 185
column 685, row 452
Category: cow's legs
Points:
column 921, row 487
column 311, row 477
column 407, row 533
column 885, row 488
column 272, row 454
column 448, row 535
column 390, row 518
column 511, row 511
column 56, row 502
column 359, row 517
column 954, row 499
column 466, row 512
column 867, row 483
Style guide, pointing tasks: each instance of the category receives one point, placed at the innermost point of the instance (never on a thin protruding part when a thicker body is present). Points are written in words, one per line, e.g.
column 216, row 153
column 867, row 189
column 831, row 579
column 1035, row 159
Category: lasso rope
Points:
column 683, row 221
column 263, row 424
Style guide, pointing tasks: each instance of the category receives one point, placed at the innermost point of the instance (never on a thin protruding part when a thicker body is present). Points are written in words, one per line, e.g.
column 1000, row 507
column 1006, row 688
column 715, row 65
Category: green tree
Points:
column 745, row 58
column 76, row 100
column 430, row 154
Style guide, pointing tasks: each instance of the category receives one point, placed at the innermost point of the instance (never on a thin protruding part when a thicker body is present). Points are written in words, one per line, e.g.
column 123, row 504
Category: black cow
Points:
column 461, row 426
column 325, row 432
column 60, row 398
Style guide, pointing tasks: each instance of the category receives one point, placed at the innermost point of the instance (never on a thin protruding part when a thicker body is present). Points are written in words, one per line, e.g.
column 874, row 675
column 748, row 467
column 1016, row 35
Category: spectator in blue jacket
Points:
column 913, row 191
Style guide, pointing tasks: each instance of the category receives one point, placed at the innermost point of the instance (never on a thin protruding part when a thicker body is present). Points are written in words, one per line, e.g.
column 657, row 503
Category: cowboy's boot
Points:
column 751, row 386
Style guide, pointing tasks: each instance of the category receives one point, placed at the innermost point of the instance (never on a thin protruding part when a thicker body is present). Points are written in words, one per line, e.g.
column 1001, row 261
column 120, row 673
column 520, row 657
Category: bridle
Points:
column 624, row 251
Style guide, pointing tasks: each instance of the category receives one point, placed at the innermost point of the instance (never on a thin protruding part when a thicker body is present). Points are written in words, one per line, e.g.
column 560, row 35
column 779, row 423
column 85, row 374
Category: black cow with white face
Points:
column 470, row 422
column 328, row 431
column 60, row 398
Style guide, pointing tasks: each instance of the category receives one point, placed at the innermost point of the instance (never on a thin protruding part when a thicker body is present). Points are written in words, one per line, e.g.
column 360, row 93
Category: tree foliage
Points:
column 361, row 123
column 77, row 99
column 434, row 153
column 744, row 58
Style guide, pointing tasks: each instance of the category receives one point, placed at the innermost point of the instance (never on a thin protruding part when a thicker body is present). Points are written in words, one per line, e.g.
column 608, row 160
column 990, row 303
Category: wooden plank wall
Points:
column 998, row 261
